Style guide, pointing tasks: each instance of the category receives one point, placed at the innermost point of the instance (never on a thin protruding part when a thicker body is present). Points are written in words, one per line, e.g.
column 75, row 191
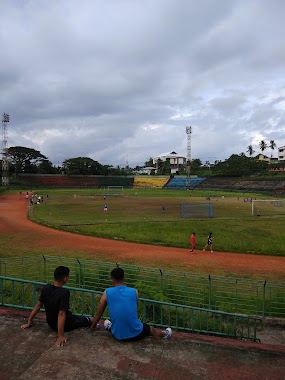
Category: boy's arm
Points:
column 60, row 340
column 100, row 311
column 34, row 312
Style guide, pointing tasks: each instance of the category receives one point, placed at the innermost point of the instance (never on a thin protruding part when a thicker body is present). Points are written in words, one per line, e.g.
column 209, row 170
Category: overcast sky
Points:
column 112, row 79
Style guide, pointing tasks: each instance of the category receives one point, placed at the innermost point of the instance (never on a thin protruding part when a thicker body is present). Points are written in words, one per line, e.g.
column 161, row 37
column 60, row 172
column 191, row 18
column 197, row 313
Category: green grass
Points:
column 140, row 219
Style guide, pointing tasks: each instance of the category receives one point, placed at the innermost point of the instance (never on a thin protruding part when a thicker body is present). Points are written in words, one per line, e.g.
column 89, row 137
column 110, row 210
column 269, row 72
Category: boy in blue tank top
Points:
column 122, row 302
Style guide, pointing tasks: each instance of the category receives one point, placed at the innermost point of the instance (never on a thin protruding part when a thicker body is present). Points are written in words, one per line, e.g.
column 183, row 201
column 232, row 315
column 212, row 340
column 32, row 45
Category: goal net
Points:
column 202, row 210
column 267, row 207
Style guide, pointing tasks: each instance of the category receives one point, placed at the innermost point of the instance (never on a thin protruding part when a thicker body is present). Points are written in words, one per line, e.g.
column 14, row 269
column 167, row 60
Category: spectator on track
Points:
column 192, row 242
column 122, row 303
column 55, row 300
column 210, row 242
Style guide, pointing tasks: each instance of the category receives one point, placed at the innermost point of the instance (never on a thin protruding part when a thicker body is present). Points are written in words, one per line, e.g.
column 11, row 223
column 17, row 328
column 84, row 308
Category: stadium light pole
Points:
column 188, row 163
column 5, row 162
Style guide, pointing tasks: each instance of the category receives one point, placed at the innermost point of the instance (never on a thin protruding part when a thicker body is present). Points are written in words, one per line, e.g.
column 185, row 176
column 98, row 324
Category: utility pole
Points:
column 188, row 163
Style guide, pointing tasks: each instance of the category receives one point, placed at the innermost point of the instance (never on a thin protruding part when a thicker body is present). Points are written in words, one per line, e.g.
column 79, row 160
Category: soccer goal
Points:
column 267, row 207
column 202, row 210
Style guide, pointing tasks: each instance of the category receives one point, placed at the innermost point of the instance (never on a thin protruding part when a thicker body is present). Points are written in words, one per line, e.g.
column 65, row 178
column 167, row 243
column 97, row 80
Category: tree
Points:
column 250, row 150
column 240, row 165
column 46, row 167
column 82, row 165
column 149, row 162
column 272, row 146
column 196, row 164
column 25, row 159
column 163, row 167
column 262, row 146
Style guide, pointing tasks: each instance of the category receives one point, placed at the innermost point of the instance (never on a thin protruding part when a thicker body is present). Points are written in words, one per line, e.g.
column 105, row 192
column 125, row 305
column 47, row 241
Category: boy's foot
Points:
column 204, row 249
column 191, row 250
column 107, row 324
column 212, row 251
column 168, row 332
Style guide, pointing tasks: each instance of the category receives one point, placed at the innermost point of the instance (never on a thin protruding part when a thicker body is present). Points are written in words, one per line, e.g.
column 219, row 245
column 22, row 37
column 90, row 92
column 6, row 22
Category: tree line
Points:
column 28, row 160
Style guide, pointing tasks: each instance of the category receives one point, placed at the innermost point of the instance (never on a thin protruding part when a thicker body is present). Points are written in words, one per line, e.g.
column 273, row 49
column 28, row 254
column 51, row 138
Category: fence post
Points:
column 210, row 291
column 263, row 301
column 79, row 276
column 45, row 269
column 2, row 291
column 161, row 283
column 23, row 269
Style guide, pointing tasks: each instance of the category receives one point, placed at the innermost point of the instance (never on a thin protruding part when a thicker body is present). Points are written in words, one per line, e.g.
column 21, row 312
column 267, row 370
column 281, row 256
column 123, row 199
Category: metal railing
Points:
column 260, row 298
column 23, row 294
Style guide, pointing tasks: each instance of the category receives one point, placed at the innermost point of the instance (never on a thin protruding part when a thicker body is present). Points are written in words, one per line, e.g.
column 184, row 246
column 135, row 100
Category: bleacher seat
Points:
column 150, row 182
column 180, row 183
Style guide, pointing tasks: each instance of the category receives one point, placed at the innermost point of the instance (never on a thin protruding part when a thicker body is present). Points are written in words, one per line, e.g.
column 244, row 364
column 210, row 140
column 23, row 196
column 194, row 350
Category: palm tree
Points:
column 262, row 145
column 250, row 150
column 272, row 146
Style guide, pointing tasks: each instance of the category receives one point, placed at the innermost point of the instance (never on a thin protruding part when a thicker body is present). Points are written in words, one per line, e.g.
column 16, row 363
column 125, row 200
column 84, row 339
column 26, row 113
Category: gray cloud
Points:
column 122, row 78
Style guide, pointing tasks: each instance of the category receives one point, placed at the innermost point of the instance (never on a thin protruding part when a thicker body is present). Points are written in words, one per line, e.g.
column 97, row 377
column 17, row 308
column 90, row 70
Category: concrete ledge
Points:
column 94, row 354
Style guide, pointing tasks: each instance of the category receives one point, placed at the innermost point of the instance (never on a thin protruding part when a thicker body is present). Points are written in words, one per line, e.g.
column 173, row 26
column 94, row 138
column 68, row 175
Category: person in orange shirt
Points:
column 193, row 242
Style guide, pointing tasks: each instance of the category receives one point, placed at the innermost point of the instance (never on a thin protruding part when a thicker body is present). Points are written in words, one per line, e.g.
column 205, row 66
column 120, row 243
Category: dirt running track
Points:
column 33, row 237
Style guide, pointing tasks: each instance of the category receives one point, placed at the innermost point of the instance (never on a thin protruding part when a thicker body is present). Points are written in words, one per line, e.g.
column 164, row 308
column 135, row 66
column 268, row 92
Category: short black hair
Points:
column 118, row 274
column 61, row 272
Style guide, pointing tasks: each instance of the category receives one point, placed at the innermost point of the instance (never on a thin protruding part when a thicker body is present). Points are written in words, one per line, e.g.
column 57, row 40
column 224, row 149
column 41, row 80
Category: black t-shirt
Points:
column 55, row 299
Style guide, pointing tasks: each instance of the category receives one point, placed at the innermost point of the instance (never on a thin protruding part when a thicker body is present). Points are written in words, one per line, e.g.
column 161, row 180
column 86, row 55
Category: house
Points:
column 147, row 170
column 262, row 157
column 176, row 161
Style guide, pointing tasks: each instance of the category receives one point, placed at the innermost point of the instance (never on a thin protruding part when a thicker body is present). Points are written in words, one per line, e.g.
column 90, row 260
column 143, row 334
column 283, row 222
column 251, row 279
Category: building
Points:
column 147, row 170
column 176, row 161
column 281, row 154
column 262, row 157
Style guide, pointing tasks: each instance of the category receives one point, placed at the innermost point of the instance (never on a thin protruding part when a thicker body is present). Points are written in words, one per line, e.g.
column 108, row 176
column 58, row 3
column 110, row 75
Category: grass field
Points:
column 138, row 217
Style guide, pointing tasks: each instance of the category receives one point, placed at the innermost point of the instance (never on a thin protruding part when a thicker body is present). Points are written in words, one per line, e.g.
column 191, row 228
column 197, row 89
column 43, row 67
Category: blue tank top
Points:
column 123, row 310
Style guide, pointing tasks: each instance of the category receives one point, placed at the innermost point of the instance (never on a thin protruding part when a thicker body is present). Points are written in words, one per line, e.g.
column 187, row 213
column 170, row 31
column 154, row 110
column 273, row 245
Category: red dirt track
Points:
column 30, row 236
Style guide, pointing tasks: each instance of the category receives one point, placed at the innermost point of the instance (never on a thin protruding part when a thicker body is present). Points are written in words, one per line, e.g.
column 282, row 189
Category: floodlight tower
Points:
column 5, row 163
column 188, row 164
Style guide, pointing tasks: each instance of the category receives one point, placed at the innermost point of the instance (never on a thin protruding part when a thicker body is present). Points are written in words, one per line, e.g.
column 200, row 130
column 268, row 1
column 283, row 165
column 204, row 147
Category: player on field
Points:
column 192, row 242
column 105, row 207
column 55, row 300
column 210, row 242
column 122, row 303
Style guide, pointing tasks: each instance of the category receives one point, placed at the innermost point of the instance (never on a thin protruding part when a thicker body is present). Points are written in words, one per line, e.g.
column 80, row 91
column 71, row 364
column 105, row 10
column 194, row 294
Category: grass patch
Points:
column 141, row 219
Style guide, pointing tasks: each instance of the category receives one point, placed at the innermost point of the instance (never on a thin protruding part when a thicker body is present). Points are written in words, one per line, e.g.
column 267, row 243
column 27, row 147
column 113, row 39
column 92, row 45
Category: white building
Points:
column 177, row 162
column 281, row 154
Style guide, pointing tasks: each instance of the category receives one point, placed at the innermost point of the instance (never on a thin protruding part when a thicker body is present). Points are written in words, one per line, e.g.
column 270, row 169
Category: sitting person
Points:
column 122, row 304
column 55, row 300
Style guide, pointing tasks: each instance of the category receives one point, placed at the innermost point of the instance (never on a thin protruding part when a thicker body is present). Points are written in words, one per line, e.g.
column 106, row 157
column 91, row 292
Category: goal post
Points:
column 267, row 207
column 202, row 210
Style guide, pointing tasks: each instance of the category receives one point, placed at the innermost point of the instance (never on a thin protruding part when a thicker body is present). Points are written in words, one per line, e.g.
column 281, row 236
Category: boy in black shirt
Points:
column 55, row 300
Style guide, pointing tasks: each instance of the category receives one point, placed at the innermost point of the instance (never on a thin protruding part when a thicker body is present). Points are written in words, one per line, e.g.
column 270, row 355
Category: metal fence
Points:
column 23, row 294
column 251, row 297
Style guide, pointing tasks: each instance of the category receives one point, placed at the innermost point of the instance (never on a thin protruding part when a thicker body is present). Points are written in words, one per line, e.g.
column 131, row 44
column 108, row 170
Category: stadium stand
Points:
column 239, row 184
column 105, row 181
column 68, row 181
column 150, row 182
column 180, row 183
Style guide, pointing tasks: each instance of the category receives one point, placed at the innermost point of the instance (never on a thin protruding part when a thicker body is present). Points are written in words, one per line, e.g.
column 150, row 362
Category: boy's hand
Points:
column 60, row 341
column 27, row 325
